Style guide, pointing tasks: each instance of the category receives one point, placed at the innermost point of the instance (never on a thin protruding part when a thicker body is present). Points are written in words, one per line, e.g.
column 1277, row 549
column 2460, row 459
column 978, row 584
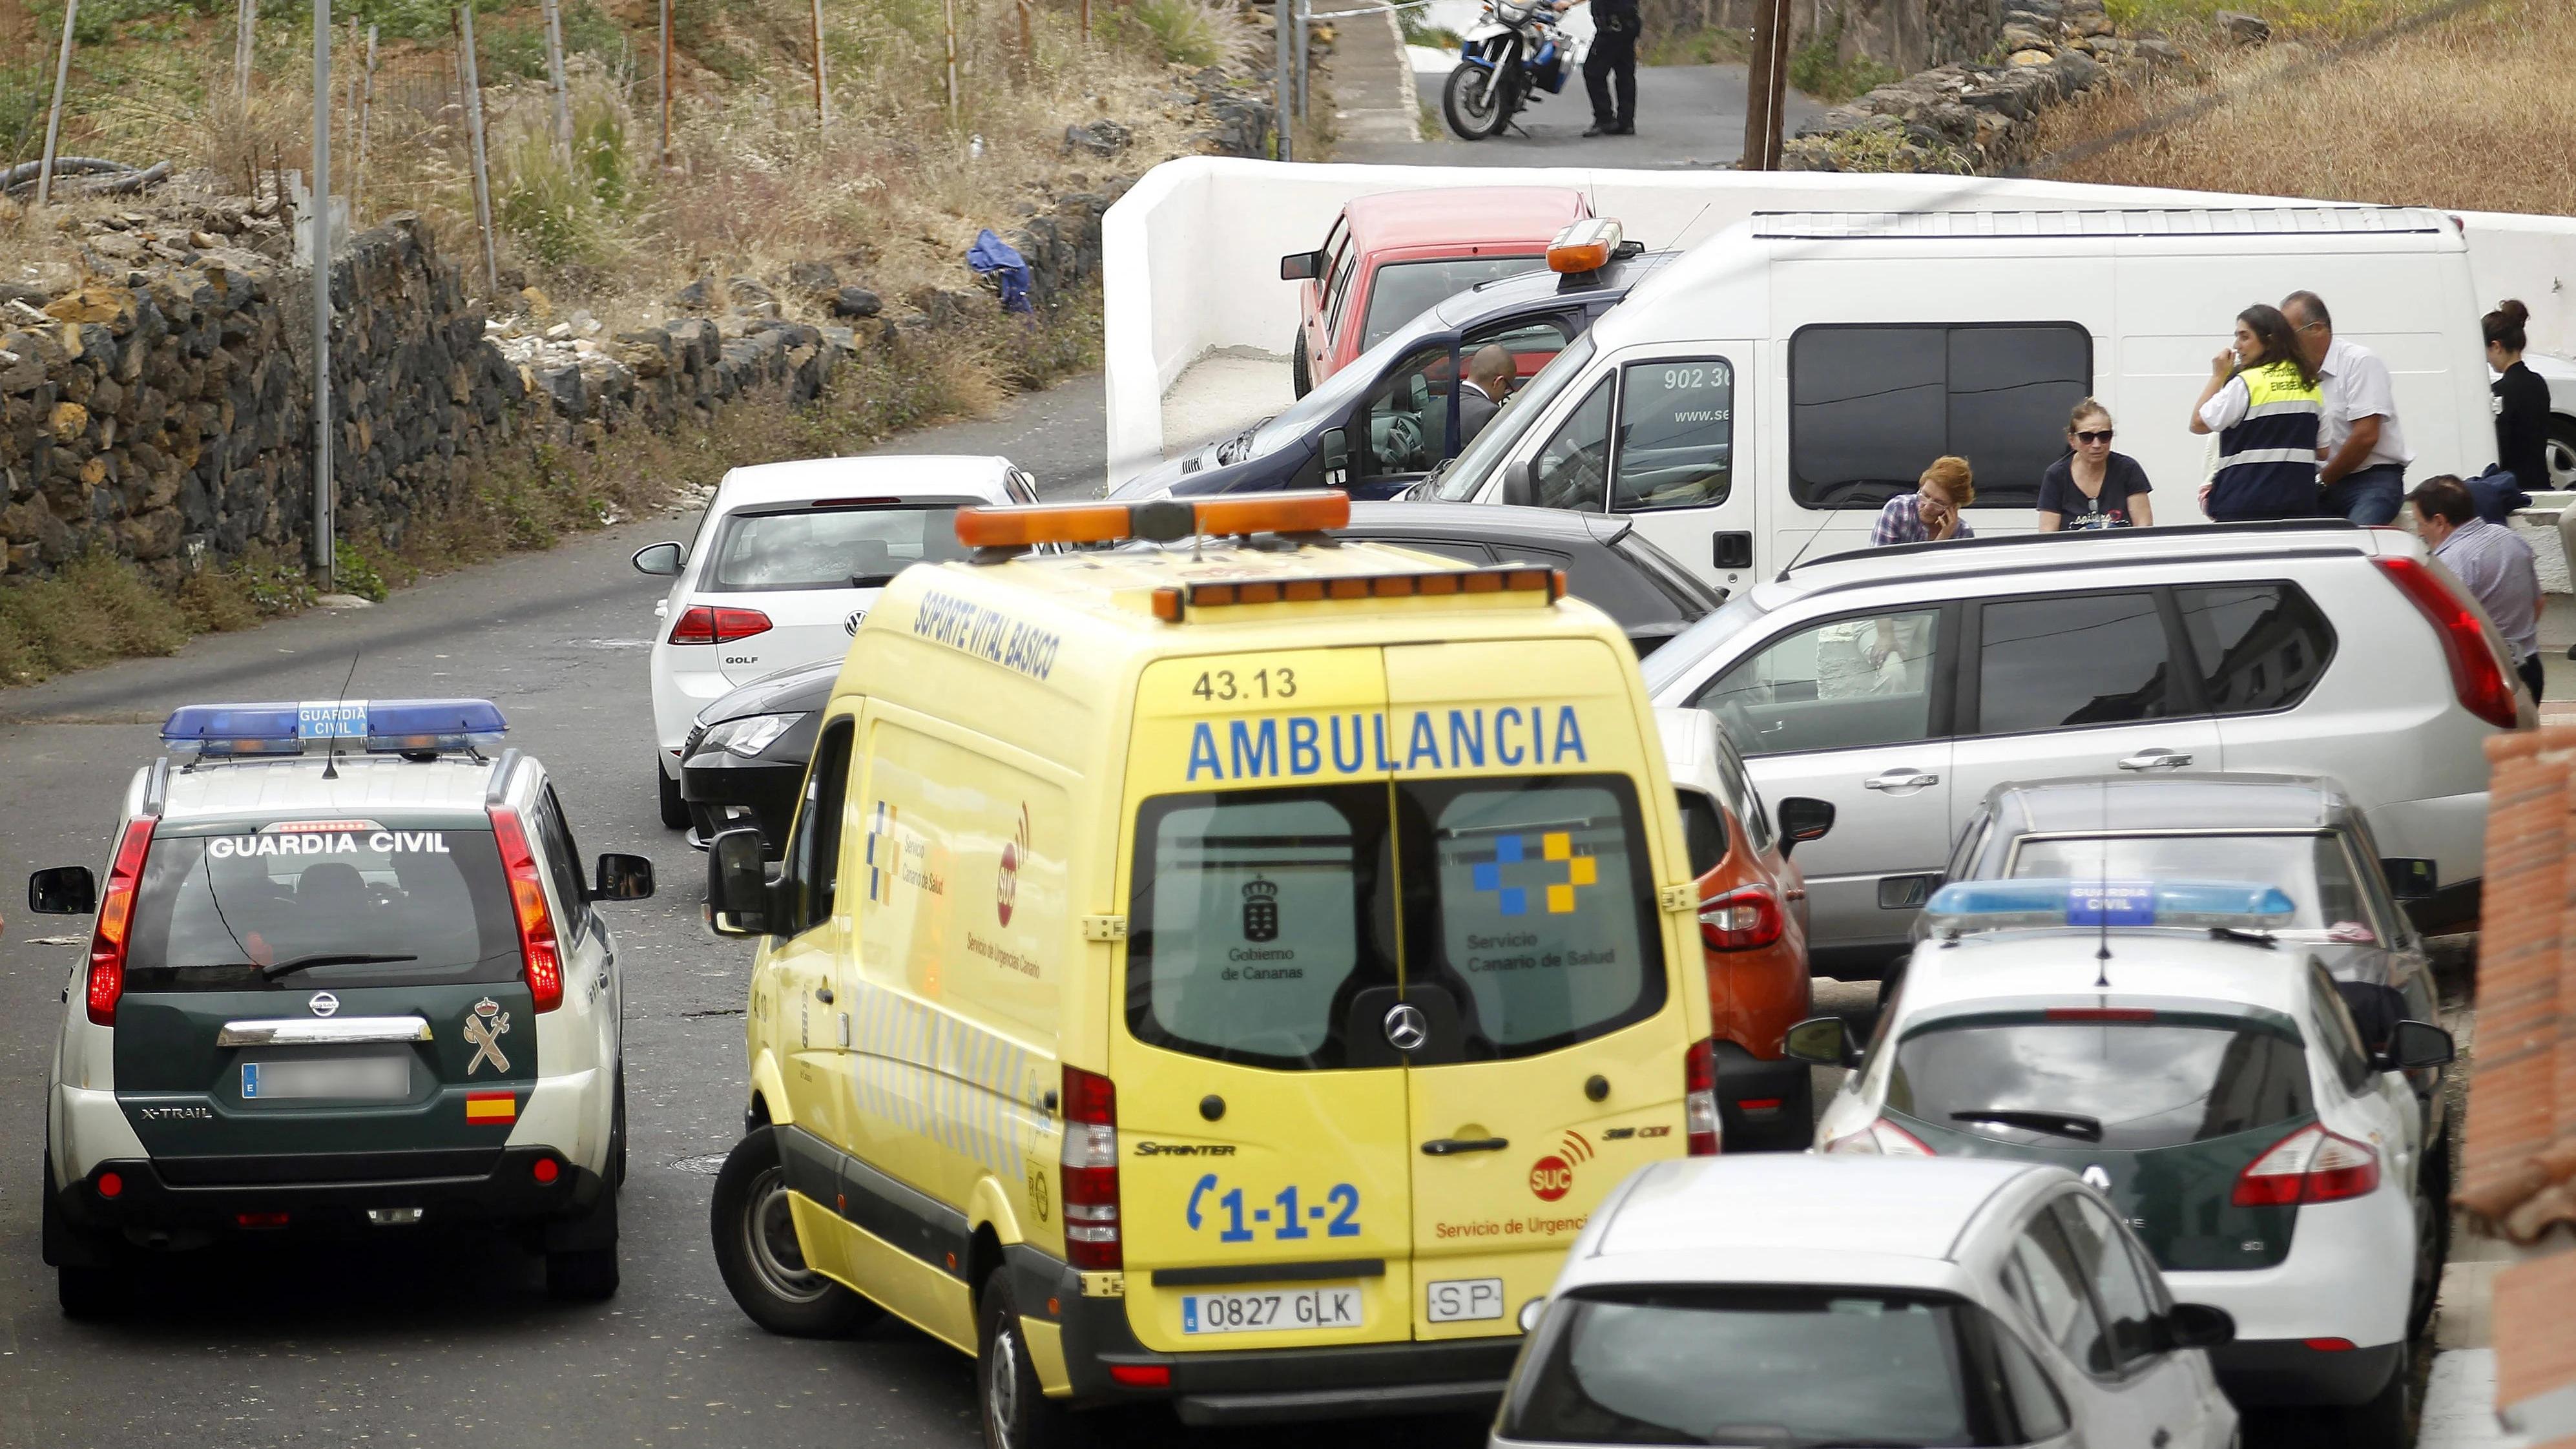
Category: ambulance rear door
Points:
column 1545, row 1039
column 1264, row 1161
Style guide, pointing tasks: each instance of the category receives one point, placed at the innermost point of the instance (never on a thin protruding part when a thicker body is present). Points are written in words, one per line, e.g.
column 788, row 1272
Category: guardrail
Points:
column 1190, row 254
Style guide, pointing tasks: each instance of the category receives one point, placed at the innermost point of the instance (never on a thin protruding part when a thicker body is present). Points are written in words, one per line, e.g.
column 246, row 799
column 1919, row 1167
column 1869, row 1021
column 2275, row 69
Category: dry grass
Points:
column 2473, row 112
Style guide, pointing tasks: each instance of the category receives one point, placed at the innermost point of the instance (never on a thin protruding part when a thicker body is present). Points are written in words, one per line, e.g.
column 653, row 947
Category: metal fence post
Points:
column 325, row 554
column 1283, row 20
column 54, row 118
column 464, row 16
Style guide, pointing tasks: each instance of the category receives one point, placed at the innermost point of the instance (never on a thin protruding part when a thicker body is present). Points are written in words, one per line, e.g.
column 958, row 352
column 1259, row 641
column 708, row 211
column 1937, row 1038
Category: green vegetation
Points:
column 2330, row 19
column 1183, row 30
column 1819, row 69
column 95, row 608
column 563, row 207
column 1707, row 46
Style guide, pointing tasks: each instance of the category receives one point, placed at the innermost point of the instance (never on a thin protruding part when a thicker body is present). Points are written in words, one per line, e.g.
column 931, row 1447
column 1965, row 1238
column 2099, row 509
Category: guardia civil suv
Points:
column 346, row 976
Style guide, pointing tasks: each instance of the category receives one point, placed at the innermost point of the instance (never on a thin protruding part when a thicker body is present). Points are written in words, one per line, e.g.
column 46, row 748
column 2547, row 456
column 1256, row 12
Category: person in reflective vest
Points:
column 2264, row 403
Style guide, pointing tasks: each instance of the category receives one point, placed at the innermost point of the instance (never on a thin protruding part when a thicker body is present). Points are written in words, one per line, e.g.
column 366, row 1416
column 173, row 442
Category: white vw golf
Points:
column 787, row 560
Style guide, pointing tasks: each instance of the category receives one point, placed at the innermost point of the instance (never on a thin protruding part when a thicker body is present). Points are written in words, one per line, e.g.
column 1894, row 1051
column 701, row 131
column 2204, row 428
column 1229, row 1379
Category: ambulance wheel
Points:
column 1017, row 1412
column 2387, row 1420
column 582, row 1275
column 93, row 1294
column 757, row 1252
column 675, row 811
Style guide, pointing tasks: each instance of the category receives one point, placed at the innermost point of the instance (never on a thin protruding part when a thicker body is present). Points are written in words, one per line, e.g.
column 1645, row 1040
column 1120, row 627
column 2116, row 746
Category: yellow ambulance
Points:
column 1222, row 969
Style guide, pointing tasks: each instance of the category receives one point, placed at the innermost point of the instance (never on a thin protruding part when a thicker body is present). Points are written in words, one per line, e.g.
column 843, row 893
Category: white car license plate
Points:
column 373, row 1079
column 1271, row 1309
column 1461, row 1300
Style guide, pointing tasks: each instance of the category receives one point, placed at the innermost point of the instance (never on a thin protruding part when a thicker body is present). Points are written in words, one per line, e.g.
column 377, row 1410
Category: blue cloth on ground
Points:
column 989, row 255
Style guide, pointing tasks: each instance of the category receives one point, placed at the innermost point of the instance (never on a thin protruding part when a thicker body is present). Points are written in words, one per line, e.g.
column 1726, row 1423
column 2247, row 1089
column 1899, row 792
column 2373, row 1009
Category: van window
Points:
column 2060, row 661
column 1573, row 467
column 1476, row 463
column 1676, row 435
column 1871, row 406
column 2260, row 646
column 1255, row 914
column 814, row 844
column 1545, row 909
column 1842, row 685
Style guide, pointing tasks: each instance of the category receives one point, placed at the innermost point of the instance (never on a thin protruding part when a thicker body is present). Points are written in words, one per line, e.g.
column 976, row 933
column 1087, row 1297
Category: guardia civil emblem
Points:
column 484, row 1027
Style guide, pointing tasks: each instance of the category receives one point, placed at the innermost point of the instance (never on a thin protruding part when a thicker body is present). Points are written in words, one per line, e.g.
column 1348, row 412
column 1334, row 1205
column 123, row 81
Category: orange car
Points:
column 1391, row 256
column 1753, row 925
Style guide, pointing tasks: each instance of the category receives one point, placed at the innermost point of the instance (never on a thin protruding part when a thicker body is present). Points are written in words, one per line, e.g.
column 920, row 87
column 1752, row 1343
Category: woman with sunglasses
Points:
column 2093, row 487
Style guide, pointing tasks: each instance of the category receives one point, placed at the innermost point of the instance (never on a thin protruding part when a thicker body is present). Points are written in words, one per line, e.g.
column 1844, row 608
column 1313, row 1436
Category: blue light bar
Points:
column 2044, row 902
column 383, row 726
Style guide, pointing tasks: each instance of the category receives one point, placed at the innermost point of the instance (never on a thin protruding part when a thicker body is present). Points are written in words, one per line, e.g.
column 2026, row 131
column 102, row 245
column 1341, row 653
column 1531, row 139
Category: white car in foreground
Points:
column 1781, row 1301
column 788, row 559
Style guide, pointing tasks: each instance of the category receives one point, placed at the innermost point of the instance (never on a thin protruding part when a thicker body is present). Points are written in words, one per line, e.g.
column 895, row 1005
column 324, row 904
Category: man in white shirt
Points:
column 2364, row 453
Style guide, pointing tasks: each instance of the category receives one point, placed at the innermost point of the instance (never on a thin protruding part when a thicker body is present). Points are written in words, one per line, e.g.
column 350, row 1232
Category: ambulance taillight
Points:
column 1090, row 1161
column 1699, row 1098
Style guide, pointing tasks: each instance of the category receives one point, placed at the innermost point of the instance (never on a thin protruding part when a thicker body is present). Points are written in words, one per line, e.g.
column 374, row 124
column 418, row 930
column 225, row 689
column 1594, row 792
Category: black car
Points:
column 1391, row 416
column 745, row 759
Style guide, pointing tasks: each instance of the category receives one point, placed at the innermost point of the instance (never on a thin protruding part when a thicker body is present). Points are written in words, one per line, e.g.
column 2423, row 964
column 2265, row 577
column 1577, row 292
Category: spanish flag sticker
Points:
column 491, row 1106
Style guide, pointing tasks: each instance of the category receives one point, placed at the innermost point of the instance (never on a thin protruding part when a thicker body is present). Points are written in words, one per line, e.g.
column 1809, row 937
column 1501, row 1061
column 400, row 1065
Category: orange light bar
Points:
column 1508, row 579
column 1162, row 519
column 1584, row 246
column 1031, row 524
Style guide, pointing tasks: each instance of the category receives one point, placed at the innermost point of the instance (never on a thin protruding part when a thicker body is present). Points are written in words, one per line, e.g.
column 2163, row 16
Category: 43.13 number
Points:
column 1222, row 685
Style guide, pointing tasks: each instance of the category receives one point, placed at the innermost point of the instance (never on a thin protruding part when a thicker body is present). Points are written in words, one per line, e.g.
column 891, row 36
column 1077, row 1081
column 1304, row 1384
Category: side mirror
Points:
column 738, row 893
column 1301, row 266
column 2411, row 878
column 1520, row 484
column 623, row 878
column 2416, row 1045
column 2197, row 1325
column 659, row 558
column 64, row 890
column 1822, row 1041
column 1803, row 819
column 1335, row 450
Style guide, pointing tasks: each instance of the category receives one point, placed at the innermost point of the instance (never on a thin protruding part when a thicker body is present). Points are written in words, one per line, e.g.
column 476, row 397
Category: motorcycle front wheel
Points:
column 1476, row 100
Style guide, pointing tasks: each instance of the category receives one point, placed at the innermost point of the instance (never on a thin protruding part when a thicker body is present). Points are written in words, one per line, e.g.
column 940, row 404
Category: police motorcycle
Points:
column 1515, row 51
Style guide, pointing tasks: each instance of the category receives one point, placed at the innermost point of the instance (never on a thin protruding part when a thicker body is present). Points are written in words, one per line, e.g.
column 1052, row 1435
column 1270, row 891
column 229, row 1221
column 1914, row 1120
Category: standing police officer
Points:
column 1613, row 57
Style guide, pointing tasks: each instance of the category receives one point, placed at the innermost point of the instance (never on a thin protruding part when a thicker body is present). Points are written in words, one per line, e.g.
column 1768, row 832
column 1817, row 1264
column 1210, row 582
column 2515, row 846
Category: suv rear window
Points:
column 828, row 548
column 1691, row 1365
column 225, row 912
column 1260, row 914
column 2138, row 1085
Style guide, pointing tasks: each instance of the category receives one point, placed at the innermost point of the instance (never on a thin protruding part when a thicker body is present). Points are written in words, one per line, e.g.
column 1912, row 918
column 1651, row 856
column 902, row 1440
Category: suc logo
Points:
column 1552, row 1176
column 1006, row 882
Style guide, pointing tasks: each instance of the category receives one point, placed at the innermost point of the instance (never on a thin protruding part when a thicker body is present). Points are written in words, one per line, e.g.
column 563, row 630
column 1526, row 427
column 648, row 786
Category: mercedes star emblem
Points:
column 1406, row 1027
column 324, row 1003
column 2095, row 1177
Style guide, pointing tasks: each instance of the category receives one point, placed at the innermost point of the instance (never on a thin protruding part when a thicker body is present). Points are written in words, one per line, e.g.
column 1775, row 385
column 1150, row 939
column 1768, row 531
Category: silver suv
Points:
column 1901, row 684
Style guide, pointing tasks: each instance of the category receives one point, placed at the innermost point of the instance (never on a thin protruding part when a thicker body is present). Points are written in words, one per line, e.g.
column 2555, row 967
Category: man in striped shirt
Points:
column 2491, row 560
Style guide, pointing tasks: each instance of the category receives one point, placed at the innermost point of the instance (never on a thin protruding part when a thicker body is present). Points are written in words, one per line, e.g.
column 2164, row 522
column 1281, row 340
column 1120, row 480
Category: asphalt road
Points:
column 1687, row 115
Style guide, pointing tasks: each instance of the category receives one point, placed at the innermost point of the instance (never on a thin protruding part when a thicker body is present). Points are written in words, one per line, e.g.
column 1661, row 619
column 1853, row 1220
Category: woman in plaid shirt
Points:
column 1930, row 513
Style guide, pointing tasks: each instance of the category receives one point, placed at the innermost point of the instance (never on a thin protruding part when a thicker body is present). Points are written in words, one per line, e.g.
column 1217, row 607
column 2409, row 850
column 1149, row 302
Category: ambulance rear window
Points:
column 235, row 912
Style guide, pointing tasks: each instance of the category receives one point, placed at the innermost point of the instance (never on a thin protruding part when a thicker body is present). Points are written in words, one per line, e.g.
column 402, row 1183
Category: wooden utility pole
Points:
column 325, row 556
column 366, row 107
column 54, row 118
column 245, row 26
column 1766, row 86
column 1028, row 44
column 822, row 104
column 555, row 77
column 666, row 85
column 463, row 14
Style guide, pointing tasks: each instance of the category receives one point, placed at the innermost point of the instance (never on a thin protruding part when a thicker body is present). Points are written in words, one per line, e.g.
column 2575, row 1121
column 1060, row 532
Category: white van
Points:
column 1837, row 354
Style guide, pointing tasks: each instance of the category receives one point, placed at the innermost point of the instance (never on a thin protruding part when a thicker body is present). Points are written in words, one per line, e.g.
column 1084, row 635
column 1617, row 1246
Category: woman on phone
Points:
column 2264, row 403
column 2093, row 487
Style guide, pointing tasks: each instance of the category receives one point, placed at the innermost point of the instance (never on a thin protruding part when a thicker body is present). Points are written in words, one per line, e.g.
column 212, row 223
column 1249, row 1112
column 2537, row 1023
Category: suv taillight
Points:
column 116, row 923
column 1090, row 1160
column 2309, row 1165
column 700, row 624
column 1740, row 920
column 2479, row 674
column 1881, row 1138
column 1699, row 1098
column 537, row 948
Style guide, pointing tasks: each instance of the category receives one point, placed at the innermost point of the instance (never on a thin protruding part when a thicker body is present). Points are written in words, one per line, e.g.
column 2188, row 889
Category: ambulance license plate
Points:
column 1271, row 1309
column 374, row 1079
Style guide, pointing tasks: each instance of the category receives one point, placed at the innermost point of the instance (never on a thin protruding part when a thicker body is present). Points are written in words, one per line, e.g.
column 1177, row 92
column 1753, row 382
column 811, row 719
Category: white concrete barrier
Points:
column 1191, row 252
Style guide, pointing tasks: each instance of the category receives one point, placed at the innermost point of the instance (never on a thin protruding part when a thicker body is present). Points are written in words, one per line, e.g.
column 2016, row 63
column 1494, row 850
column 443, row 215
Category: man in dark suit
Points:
column 1489, row 376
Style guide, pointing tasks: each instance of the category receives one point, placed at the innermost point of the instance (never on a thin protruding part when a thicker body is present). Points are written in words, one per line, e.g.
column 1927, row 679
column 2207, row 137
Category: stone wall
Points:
column 1980, row 117
column 165, row 414
column 1904, row 34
